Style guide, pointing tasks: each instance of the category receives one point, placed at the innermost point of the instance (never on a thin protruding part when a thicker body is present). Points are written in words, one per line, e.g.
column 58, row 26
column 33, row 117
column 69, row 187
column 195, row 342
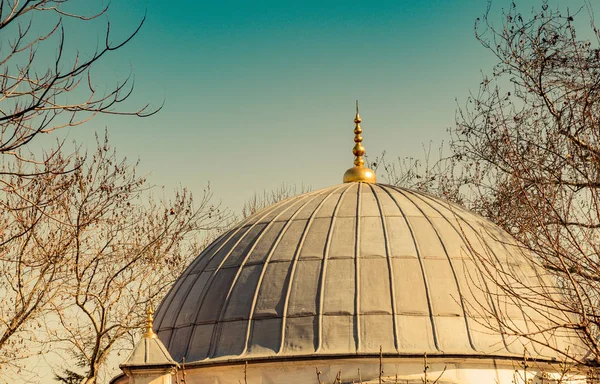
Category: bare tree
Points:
column 86, row 252
column 526, row 154
column 529, row 144
column 46, row 83
column 439, row 173
column 39, row 68
column 32, row 255
column 127, row 249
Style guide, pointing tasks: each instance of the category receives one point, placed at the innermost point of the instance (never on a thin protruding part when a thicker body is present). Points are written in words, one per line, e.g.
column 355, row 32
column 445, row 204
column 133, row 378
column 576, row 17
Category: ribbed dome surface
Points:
column 343, row 271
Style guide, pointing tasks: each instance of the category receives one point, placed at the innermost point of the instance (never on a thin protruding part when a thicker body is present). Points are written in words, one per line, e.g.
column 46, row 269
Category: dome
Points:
column 345, row 271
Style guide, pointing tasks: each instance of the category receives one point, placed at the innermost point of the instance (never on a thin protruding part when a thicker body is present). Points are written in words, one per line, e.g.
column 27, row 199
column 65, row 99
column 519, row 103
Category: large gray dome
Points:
column 343, row 271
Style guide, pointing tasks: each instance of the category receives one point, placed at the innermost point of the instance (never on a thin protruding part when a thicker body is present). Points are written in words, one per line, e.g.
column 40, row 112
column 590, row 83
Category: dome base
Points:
column 400, row 369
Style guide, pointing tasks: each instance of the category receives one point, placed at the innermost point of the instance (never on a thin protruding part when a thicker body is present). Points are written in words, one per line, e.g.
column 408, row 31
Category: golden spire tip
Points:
column 149, row 334
column 359, row 173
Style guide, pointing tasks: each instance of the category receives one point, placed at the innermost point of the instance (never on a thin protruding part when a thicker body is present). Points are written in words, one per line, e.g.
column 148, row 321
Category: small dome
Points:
column 149, row 352
column 344, row 271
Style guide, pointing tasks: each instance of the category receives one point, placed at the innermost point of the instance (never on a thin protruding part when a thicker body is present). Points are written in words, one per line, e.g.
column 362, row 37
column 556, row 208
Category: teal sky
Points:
column 262, row 93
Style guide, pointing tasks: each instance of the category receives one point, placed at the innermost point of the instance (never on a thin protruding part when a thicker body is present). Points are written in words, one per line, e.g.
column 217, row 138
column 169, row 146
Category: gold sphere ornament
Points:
column 359, row 173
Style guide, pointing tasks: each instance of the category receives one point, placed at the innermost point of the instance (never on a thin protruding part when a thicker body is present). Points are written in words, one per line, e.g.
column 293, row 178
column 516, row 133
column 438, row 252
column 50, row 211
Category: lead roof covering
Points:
column 343, row 271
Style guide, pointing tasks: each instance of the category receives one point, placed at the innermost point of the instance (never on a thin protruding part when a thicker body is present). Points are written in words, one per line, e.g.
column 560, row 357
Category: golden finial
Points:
column 359, row 173
column 149, row 319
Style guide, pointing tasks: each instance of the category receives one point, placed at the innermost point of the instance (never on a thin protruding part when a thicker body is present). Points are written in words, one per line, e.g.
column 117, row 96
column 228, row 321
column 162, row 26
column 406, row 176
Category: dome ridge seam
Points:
column 266, row 263
column 450, row 263
column 293, row 267
column 212, row 347
column 420, row 259
column 321, row 287
column 391, row 274
column 213, row 275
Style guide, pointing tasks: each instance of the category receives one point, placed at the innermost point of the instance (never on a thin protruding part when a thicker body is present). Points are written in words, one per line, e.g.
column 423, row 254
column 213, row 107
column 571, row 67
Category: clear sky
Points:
column 259, row 93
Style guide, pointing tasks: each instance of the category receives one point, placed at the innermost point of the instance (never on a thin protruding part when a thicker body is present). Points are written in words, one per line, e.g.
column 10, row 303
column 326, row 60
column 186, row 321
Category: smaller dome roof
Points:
column 149, row 352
